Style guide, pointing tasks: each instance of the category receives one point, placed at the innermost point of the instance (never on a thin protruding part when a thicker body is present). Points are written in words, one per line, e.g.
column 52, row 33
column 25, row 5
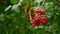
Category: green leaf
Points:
column 14, row 1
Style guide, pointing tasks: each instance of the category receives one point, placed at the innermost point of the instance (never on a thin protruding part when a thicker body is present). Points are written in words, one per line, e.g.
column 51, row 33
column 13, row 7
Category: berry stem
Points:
column 30, row 14
column 19, row 3
column 43, row 2
column 36, row 15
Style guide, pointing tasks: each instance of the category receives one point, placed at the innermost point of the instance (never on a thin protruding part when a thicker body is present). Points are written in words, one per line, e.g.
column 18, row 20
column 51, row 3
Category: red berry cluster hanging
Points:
column 38, row 20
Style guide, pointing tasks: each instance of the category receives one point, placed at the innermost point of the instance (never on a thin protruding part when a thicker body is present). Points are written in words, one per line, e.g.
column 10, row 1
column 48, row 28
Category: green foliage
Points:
column 14, row 1
column 13, row 21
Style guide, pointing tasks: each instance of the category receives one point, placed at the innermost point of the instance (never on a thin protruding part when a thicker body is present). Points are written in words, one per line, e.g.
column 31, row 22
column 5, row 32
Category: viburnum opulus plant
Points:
column 37, row 16
column 42, row 17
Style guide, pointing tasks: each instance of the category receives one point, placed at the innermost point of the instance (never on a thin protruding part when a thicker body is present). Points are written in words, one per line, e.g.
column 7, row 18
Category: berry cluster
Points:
column 38, row 20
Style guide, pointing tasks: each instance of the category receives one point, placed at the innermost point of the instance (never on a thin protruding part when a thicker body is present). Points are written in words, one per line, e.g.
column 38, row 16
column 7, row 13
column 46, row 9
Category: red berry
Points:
column 39, row 24
column 27, row 16
column 44, row 20
column 41, row 12
column 37, row 11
